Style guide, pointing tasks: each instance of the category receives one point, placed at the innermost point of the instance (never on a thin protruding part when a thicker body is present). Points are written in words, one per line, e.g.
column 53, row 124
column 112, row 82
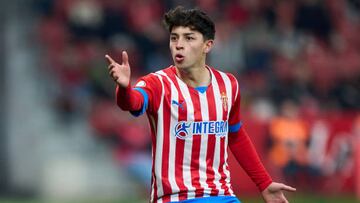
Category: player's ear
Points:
column 208, row 45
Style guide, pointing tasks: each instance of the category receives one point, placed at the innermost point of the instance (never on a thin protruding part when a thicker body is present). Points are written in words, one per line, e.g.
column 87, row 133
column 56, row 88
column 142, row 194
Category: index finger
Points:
column 288, row 188
column 109, row 59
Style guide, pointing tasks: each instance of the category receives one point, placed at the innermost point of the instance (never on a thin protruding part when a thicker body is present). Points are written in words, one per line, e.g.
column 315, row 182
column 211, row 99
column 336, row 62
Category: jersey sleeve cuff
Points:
column 235, row 127
column 145, row 104
column 264, row 185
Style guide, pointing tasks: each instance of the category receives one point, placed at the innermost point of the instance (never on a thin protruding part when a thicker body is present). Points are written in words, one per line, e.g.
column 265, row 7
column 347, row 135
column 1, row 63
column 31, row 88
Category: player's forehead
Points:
column 184, row 30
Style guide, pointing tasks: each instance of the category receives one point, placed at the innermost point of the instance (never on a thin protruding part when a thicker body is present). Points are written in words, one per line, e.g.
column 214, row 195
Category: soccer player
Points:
column 194, row 114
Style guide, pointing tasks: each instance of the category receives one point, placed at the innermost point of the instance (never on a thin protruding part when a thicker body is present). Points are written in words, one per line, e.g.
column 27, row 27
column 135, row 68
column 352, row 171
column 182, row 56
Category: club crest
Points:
column 224, row 100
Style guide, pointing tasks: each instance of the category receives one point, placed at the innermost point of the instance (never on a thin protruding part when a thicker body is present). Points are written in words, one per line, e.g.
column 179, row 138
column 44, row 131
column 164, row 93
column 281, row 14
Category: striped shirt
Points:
column 190, row 134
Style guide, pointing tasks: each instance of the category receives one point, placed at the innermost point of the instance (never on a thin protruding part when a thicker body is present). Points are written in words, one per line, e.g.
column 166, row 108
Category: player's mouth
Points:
column 179, row 58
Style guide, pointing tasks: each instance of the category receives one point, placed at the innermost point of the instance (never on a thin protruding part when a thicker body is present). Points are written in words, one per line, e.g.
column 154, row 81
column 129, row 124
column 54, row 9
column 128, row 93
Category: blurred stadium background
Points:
column 62, row 139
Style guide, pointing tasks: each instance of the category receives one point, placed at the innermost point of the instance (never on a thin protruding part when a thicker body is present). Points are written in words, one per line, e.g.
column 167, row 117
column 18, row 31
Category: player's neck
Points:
column 195, row 76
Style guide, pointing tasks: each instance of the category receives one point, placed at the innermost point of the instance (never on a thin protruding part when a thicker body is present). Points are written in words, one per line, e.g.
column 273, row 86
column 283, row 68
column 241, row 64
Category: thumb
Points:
column 125, row 58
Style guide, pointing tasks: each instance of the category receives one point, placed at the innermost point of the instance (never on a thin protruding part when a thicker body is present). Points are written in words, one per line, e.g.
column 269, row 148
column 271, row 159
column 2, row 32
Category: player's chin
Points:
column 179, row 64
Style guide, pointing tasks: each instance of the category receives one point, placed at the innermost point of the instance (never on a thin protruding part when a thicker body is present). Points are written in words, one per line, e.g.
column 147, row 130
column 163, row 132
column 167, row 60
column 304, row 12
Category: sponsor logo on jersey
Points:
column 184, row 129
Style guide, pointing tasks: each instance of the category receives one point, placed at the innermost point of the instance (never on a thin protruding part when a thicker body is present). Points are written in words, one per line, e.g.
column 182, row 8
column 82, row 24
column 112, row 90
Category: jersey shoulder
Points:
column 152, row 79
column 232, row 78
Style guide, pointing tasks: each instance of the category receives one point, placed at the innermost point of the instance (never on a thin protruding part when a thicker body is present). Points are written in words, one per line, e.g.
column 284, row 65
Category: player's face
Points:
column 188, row 47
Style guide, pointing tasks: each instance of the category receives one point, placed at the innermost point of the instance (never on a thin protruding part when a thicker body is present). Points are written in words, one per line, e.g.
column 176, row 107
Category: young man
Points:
column 194, row 114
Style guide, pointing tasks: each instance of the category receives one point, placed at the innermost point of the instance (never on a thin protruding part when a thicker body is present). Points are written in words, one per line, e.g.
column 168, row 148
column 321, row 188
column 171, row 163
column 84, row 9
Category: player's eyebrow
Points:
column 185, row 34
column 189, row 34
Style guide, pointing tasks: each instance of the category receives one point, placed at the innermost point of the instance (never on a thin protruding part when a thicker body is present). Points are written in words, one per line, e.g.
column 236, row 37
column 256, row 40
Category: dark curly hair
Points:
column 193, row 18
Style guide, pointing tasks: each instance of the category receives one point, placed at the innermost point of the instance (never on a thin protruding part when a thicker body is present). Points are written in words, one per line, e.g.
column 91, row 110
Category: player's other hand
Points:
column 120, row 73
column 274, row 193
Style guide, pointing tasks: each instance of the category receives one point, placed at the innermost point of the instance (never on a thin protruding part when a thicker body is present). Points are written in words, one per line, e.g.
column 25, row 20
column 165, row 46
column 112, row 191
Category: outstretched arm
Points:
column 245, row 153
column 126, row 98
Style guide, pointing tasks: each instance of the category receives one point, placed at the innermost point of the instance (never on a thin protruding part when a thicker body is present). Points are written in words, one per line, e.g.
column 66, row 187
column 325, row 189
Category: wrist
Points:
column 123, row 88
column 264, row 185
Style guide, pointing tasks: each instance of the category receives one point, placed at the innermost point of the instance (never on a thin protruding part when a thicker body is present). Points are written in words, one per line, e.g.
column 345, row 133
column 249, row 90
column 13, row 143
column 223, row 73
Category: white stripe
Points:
column 152, row 190
column 228, row 89
column 172, row 139
column 159, row 144
column 188, row 142
column 237, row 89
column 219, row 116
column 204, row 145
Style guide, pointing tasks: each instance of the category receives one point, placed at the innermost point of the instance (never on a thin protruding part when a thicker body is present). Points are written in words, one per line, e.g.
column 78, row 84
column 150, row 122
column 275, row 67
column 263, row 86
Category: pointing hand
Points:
column 120, row 73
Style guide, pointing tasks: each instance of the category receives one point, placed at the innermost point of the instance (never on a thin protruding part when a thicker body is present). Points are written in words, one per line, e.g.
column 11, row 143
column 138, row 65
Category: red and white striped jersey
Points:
column 190, row 134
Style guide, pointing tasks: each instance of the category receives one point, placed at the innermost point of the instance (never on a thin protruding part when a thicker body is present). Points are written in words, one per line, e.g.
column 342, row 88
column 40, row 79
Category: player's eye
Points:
column 173, row 38
column 189, row 38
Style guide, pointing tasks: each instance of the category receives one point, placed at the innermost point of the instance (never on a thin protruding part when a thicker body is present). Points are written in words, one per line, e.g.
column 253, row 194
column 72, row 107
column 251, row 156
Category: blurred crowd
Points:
column 298, row 63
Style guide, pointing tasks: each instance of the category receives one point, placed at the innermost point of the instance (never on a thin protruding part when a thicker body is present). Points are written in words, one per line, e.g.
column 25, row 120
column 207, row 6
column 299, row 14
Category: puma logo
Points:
column 180, row 104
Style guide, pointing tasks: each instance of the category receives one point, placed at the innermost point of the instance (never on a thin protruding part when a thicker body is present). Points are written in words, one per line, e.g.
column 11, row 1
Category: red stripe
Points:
column 233, row 84
column 222, row 89
column 196, row 144
column 155, row 99
column 180, row 144
column 166, row 142
column 211, row 144
column 153, row 140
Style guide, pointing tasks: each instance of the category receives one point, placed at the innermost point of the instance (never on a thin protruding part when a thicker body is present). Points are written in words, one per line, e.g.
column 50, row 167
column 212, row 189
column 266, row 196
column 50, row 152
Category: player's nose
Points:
column 179, row 44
